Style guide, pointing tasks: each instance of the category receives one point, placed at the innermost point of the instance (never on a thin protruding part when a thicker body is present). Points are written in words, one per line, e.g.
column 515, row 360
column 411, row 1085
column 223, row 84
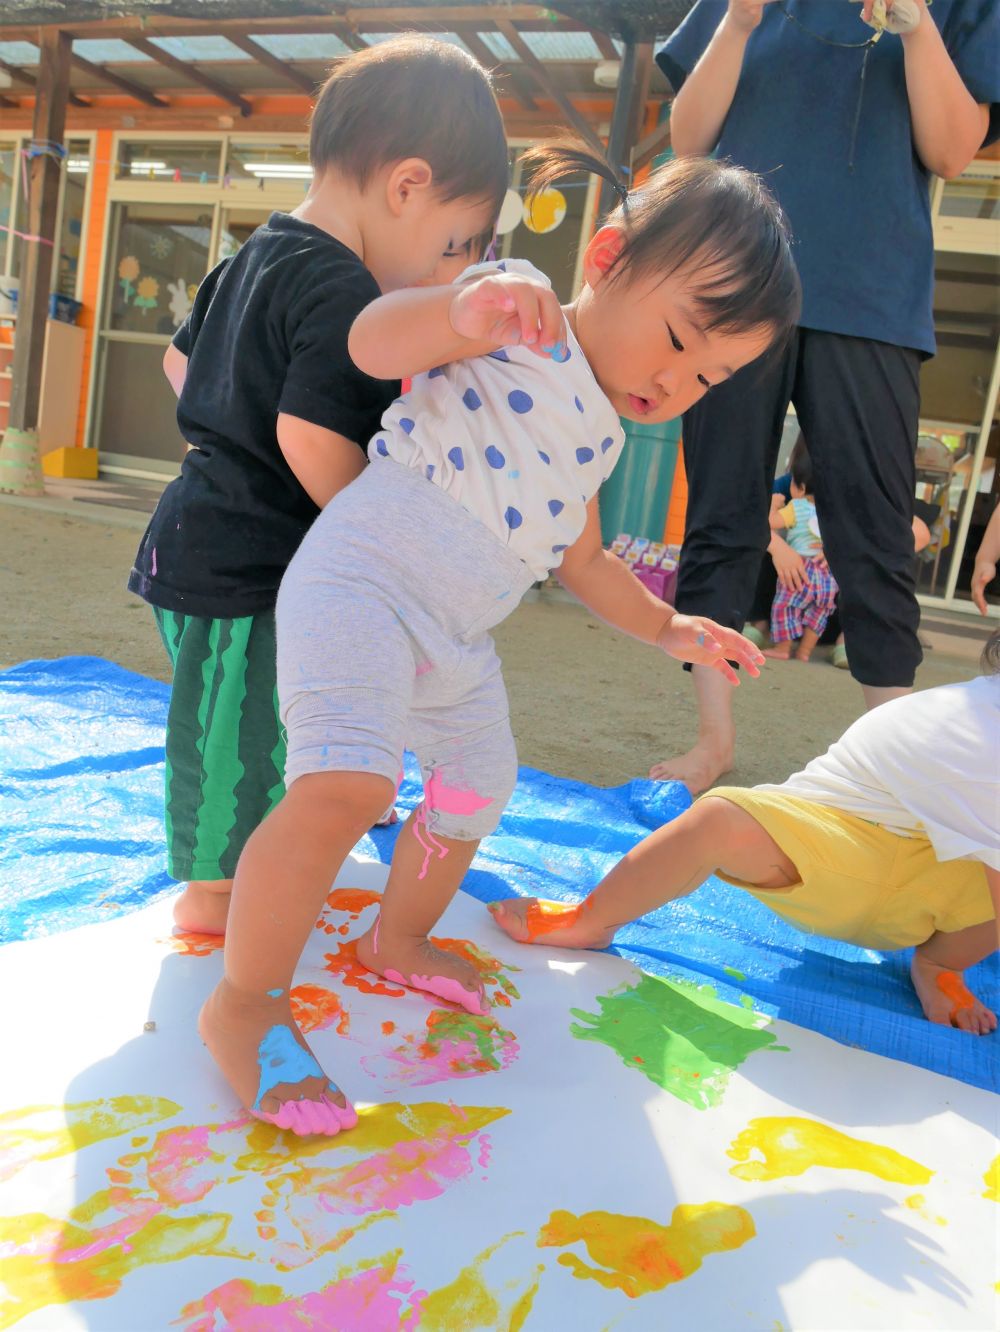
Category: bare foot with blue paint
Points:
column 265, row 1059
column 558, row 924
column 417, row 963
column 203, row 907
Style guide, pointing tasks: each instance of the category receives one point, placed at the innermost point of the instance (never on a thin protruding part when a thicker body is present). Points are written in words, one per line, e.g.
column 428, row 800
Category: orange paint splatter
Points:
column 388, row 1028
column 954, row 988
column 190, row 944
column 490, row 969
column 637, row 1255
column 543, row 917
column 354, row 900
column 344, row 963
column 315, row 1008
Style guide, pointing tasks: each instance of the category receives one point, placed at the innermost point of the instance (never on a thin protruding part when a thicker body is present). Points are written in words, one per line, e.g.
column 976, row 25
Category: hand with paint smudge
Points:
column 704, row 643
column 507, row 310
column 557, row 924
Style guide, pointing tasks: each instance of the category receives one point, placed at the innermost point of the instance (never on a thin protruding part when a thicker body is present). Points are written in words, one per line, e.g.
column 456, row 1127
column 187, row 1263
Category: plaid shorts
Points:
column 810, row 607
column 225, row 746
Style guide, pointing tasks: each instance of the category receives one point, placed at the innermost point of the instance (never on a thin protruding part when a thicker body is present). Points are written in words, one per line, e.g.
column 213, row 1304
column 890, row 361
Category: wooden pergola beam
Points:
column 655, row 142
column 44, row 179
column 351, row 21
column 135, row 90
column 277, row 66
column 605, row 45
column 192, row 73
column 22, row 76
column 548, row 87
column 488, row 60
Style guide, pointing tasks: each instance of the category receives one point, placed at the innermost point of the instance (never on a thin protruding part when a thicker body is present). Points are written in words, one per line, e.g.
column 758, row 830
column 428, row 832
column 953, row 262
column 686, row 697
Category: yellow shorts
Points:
column 858, row 881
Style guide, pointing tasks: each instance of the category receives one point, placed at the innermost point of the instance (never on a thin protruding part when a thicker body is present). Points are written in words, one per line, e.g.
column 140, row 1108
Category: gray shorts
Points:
column 383, row 643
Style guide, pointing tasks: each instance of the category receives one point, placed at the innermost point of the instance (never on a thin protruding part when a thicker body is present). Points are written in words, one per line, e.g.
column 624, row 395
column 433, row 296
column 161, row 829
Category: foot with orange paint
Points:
column 203, row 906
column 558, row 924
column 265, row 1059
column 417, row 963
column 947, row 1000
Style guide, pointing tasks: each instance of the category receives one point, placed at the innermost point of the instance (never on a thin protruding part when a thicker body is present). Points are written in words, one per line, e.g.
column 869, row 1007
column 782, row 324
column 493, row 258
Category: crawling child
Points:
column 891, row 839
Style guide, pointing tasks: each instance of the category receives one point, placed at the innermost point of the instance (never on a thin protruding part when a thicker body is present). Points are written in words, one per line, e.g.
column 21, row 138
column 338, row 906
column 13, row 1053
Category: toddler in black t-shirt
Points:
column 410, row 168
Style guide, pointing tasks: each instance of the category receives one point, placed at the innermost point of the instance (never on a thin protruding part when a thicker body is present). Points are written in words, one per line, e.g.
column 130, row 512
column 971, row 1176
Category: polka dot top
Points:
column 521, row 441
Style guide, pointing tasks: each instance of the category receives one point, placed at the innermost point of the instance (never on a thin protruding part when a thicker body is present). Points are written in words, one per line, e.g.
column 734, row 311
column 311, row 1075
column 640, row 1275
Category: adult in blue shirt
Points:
column 847, row 130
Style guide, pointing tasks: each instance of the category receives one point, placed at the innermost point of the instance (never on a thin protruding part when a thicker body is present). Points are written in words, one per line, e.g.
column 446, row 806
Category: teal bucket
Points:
column 636, row 496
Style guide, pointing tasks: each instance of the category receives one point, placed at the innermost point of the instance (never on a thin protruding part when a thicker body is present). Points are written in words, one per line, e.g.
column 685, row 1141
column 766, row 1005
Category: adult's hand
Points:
column 745, row 15
column 788, row 565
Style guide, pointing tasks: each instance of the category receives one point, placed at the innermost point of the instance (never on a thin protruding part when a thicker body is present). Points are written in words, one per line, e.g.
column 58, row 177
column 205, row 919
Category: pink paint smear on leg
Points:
column 442, row 799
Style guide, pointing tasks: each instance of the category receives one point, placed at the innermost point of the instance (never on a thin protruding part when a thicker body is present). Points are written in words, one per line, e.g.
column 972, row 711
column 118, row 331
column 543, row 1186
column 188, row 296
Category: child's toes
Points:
column 511, row 916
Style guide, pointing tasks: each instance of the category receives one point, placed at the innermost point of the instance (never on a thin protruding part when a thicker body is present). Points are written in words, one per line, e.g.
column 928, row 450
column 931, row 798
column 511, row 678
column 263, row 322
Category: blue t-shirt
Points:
column 862, row 233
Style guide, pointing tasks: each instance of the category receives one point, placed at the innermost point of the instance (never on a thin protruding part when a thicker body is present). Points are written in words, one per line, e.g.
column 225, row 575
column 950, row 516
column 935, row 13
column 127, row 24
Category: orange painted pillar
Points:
column 96, row 220
column 673, row 533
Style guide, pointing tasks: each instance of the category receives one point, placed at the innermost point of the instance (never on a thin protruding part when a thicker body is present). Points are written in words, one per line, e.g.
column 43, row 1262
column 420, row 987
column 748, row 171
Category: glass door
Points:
column 156, row 256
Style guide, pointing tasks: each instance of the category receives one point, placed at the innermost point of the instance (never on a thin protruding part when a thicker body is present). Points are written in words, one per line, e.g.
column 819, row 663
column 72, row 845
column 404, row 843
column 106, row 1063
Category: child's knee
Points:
column 465, row 812
column 353, row 798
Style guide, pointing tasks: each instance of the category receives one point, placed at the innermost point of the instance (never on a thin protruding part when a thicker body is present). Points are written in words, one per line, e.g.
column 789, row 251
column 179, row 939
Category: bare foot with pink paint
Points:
column 267, row 1062
column 947, row 1000
column 203, row 907
column 418, row 964
column 558, row 924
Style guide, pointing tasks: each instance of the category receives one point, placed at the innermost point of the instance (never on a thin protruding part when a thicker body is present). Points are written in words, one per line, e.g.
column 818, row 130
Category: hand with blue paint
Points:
column 705, row 643
column 508, row 310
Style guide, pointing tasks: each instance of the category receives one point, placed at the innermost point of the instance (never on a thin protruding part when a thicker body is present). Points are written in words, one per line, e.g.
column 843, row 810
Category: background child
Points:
column 488, row 471
column 890, row 839
column 410, row 165
column 802, row 612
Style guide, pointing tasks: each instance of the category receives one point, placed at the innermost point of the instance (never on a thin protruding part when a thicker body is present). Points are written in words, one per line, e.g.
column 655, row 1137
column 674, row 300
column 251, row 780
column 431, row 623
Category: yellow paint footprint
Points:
column 791, row 1146
column 992, row 1181
column 637, row 1255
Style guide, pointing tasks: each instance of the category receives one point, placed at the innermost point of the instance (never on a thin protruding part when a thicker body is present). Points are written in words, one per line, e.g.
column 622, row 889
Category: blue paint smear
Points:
column 282, row 1059
column 81, row 813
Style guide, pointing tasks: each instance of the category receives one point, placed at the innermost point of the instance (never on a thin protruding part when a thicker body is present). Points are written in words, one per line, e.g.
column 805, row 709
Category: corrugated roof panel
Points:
column 546, row 45
column 303, row 45
column 373, row 38
column 107, row 50
column 19, row 53
column 196, row 49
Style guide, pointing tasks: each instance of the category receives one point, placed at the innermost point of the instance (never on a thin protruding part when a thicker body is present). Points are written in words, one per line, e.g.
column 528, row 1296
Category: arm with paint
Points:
column 408, row 332
column 608, row 587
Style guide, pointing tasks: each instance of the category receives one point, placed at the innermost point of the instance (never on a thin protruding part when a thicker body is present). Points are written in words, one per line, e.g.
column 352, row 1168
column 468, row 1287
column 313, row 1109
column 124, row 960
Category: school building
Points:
column 159, row 135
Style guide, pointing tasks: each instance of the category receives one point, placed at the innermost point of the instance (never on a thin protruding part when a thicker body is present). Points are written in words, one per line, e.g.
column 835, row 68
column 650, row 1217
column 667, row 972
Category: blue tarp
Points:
column 81, row 840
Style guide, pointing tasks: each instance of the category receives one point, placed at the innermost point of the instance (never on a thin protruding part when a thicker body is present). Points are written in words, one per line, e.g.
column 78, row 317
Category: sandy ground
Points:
column 586, row 702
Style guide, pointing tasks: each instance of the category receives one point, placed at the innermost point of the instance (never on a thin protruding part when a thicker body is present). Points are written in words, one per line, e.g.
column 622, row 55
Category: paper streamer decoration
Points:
column 545, row 211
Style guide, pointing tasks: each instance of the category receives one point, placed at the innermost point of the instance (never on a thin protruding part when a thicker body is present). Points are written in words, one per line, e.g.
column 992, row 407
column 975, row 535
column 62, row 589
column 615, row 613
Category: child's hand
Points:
column 983, row 573
column 509, row 310
column 705, row 643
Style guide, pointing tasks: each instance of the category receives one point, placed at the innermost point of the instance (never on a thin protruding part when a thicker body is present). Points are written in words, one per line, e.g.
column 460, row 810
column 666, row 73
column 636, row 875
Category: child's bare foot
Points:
column 421, row 966
column 947, row 1000
column 778, row 651
column 704, row 763
column 558, row 924
column 203, row 907
column 265, row 1059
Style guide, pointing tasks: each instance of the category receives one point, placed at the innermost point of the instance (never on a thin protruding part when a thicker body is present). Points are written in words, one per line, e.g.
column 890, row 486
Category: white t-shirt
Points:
column 521, row 441
column 925, row 763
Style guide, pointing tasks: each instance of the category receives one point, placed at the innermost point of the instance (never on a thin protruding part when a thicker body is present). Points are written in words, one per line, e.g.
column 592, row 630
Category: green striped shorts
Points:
column 225, row 744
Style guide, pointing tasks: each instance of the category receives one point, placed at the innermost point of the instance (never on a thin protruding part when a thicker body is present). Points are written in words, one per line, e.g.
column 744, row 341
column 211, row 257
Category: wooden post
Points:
column 630, row 105
column 44, row 176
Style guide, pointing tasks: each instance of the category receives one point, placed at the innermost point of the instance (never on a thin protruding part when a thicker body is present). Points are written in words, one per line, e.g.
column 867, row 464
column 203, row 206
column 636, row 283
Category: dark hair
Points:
column 413, row 96
column 990, row 660
column 800, row 465
column 718, row 220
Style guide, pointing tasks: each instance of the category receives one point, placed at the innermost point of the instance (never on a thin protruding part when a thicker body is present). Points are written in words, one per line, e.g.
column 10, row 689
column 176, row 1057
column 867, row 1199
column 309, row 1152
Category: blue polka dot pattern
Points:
column 606, row 444
column 472, row 399
column 499, row 355
column 556, row 507
column 433, row 374
column 430, row 471
column 558, row 550
column 520, row 401
column 545, row 458
column 495, row 458
column 584, row 455
column 513, row 474
column 457, row 459
column 512, row 518
column 502, row 267
column 382, row 448
column 406, row 424
column 579, row 404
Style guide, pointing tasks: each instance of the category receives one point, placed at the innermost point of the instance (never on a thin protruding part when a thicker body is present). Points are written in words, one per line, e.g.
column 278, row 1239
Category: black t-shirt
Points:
column 267, row 333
